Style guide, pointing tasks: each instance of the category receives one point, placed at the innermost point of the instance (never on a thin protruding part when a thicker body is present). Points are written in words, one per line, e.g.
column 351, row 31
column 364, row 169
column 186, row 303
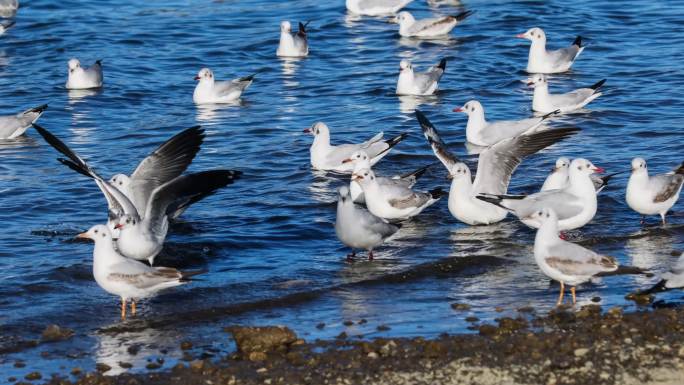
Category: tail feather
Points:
column 247, row 78
column 626, row 270
column 442, row 64
column 578, row 41
column 463, row 15
column 417, row 173
column 550, row 114
column 608, row 177
column 302, row 29
column 394, row 141
column 98, row 62
column 598, row 84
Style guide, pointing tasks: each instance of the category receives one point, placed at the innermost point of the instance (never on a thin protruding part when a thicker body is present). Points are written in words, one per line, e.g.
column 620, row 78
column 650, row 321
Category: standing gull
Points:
column 419, row 83
column 427, row 28
column 357, row 228
column 80, row 78
column 327, row 157
column 544, row 102
column 496, row 164
column 549, row 62
column 212, row 91
column 13, row 126
column 559, row 178
column 376, row 7
column 650, row 195
column 292, row 44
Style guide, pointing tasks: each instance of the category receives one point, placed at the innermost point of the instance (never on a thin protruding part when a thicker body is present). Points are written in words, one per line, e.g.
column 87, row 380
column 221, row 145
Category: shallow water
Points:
column 268, row 240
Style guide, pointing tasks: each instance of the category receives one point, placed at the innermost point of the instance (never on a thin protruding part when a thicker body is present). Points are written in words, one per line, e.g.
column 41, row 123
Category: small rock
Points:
column 55, row 333
column 499, row 309
column 152, row 366
column 76, row 371
column 262, row 370
column 342, row 336
column 19, row 364
column 261, row 339
column 186, row 345
column 125, row 365
column 487, row 330
column 680, row 352
column 596, row 299
column 363, row 321
column 320, row 326
column 102, row 367
column 257, row 356
column 133, row 349
column 460, row 306
column 33, row 376
column 383, row 328
column 434, row 349
column 348, row 323
column 472, row 319
column 373, row 355
column 11, row 379
column 581, row 352
column 197, row 365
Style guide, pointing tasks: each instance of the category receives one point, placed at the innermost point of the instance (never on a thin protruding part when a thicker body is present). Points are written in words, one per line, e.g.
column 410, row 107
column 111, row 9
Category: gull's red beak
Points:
column 520, row 35
column 307, row 130
column 347, row 160
column 357, row 177
column 458, row 109
column 530, row 84
column 599, row 170
column 119, row 226
column 197, row 78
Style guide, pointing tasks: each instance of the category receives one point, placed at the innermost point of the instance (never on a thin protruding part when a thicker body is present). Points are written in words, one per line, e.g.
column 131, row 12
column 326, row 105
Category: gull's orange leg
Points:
column 123, row 308
column 572, row 290
column 133, row 307
column 560, row 297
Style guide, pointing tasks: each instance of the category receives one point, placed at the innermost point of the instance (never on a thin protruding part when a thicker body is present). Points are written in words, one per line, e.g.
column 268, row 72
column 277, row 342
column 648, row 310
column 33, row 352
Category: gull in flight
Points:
column 327, row 157
column 496, row 164
column 419, row 83
column 292, row 44
column 13, row 126
column 559, row 178
column 650, row 195
column 549, row 62
column 544, row 102
column 125, row 277
column 376, row 7
column 80, row 78
column 427, row 28
column 211, row 91
column 483, row 133
column 357, row 228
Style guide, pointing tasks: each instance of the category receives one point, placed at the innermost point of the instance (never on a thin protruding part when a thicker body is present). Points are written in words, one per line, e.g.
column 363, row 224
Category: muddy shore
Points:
column 586, row 345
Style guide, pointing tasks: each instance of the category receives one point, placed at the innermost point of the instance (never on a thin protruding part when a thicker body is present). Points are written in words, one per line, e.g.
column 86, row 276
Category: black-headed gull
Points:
column 651, row 195
column 212, row 91
column 559, row 178
column 327, row 157
column 361, row 160
column 496, row 164
column 549, row 62
column 81, row 78
column 393, row 202
column 357, row 228
column 483, row 133
column 125, row 277
column 575, row 205
column 13, row 126
column 544, row 102
column 427, row 28
column 376, row 7
column 419, row 83
column 292, row 44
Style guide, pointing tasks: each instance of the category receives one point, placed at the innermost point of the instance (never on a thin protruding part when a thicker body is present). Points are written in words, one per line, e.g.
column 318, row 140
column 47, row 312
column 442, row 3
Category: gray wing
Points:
column 94, row 72
column 375, row 224
column 572, row 259
column 404, row 198
column 497, row 163
column 564, row 55
column 572, row 98
column 665, row 186
column 165, row 163
column 371, row 4
column 142, row 276
column 12, row 126
column 564, row 204
column 438, row 146
column 236, row 85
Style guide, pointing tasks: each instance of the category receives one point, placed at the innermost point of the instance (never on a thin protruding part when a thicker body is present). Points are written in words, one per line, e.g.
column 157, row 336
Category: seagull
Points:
column 125, row 277
column 544, row 102
column 5, row 27
column 483, row 133
column 165, row 163
column 292, row 45
column 376, row 7
column 549, row 62
column 559, row 178
column 326, row 157
column 650, row 195
column 392, row 202
column 421, row 83
column 427, row 28
column 81, row 78
column 361, row 160
column 13, row 126
column 496, row 164
column 142, row 234
column 563, row 261
column 575, row 204
column 672, row 279
column 210, row 91
column 357, row 228
column 8, row 8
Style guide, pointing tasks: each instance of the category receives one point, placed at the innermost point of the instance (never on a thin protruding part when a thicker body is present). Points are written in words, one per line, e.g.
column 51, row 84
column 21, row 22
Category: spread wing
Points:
column 438, row 146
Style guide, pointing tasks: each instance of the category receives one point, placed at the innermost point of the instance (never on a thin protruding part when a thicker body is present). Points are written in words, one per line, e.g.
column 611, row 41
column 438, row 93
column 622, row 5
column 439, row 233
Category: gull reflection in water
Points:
column 132, row 347
column 211, row 113
column 323, row 188
column 409, row 103
column 289, row 66
column 76, row 96
column 651, row 252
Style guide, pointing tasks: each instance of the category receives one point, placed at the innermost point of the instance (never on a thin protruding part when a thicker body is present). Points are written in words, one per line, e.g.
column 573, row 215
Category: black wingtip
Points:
column 657, row 288
column 248, row 78
column 463, row 15
column 76, row 167
column 598, row 84
column 606, row 178
column 417, row 173
column 39, row 109
column 186, row 276
column 423, row 120
column 680, row 169
column 496, row 201
column 98, row 62
column 578, row 41
column 550, row 114
column 394, row 141
column 442, row 64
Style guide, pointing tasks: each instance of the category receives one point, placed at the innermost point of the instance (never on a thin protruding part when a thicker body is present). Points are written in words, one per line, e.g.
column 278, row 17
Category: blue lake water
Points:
column 268, row 240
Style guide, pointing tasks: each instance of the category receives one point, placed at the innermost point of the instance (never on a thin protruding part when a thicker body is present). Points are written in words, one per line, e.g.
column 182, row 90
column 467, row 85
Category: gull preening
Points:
column 428, row 28
column 127, row 278
column 419, row 83
column 212, row 91
column 375, row 7
column 13, row 126
column 559, row 178
column 394, row 202
column 327, row 157
column 496, row 165
column 483, row 133
column 574, row 206
column 292, row 44
column 651, row 195
column 549, row 62
column 544, row 102
column 83, row 78
column 357, row 228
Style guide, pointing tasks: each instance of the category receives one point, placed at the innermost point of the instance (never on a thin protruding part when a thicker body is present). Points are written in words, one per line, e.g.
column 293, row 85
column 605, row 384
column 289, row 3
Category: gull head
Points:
column 583, row 166
column 405, row 65
column 343, row 193
column 561, row 163
column 403, row 17
column 73, row 64
column 357, row 158
column 285, row 26
column 537, row 80
column 544, row 215
column 638, row 164
column 126, row 222
column 205, row 75
column 459, row 171
column 317, row 128
column 96, row 233
column 533, row 34
column 471, row 107
column 364, row 176
column 120, row 181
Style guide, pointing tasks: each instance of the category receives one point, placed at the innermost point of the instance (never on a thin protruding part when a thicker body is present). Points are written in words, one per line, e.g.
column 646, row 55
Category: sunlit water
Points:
column 268, row 241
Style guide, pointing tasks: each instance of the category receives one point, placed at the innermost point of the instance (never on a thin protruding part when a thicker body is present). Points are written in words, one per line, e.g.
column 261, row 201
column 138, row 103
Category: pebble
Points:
column 33, row 376
column 581, row 352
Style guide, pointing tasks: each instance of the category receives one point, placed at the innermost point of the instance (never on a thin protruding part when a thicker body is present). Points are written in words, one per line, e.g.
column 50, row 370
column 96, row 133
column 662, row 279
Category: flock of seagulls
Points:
column 371, row 209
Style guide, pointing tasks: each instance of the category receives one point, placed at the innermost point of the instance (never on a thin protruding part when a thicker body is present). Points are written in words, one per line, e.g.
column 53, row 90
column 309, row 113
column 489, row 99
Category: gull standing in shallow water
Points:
column 549, row 62
column 496, row 164
column 483, row 133
column 419, row 83
column 650, row 195
column 211, row 91
column 427, row 28
column 357, row 228
column 327, row 157
column 80, row 78
column 128, row 278
column 292, row 44
column 544, row 102
column 13, row 126
column 376, row 7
